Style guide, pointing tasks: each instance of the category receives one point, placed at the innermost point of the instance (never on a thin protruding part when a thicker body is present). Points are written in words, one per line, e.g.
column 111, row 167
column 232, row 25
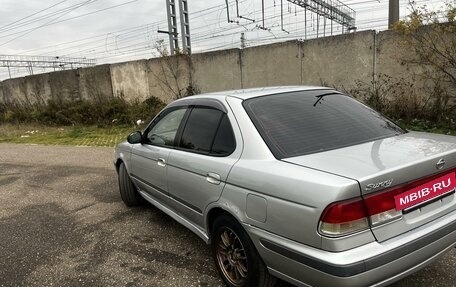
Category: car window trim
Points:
column 182, row 126
column 208, row 102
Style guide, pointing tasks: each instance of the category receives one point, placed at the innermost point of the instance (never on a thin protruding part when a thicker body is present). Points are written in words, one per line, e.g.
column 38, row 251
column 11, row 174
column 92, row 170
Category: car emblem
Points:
column 440, row 164
column 384, row 184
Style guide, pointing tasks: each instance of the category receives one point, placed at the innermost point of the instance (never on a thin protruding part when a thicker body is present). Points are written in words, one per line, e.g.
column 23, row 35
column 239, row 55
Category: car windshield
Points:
column 304, row 122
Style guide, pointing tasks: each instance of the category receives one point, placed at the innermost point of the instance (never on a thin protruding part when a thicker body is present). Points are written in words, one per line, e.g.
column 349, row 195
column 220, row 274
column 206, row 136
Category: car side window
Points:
column 200, row 129
column 208, row 131
column 224, row 142
column 164, row 131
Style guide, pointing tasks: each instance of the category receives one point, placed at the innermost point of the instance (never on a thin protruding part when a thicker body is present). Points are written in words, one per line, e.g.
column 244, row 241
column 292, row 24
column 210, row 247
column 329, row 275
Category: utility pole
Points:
column 242, row 40
column 172, row 27
column 185, row 26
column 393, row 13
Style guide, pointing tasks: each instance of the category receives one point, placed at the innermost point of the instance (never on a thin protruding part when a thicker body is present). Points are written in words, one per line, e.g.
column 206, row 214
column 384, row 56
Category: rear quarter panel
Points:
column 284, row 199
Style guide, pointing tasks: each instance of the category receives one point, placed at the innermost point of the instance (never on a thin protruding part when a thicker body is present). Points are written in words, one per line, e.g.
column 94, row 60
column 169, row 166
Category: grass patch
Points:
column 64, row 135
column 77, row 123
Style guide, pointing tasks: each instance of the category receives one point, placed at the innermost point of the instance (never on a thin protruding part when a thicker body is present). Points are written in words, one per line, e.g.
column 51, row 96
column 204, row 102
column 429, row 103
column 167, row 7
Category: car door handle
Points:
column 161, row 162
column 213, row 178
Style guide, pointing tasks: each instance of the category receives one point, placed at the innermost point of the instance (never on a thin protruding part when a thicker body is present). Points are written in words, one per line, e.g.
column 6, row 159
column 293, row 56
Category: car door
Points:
column 201, row 162
column 149, row 159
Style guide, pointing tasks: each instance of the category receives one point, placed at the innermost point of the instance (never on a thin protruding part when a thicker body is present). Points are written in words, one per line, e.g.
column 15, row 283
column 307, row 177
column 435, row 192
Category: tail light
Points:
column 354, row 215
column 381, row 206
column 344, row 217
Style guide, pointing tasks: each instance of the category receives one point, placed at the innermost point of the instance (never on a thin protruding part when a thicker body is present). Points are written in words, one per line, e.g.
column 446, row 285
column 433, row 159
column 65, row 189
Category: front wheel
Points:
column 235, row 256
column 128, row 192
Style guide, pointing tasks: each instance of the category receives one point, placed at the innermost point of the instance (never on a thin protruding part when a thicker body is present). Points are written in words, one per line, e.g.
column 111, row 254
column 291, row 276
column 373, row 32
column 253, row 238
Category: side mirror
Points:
column 135, row 137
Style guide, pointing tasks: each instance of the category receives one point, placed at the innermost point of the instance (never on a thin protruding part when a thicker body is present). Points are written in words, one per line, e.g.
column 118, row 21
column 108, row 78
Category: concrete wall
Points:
column 168, row 77
column 343, row 61
column 95, row 83
column 12, row 93
column 26, row 91
column 217, row 71
column 338, row 61
column 65, row 85
column 394, row 59
column 129, row 80
column 38, row 88
column 271, row 65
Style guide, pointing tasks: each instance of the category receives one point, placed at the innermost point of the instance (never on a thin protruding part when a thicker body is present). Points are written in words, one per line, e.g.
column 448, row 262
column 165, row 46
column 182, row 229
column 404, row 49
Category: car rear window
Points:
column 305, row 122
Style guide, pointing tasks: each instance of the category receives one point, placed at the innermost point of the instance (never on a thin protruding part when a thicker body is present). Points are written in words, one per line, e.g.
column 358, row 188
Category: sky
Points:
column 110, row 31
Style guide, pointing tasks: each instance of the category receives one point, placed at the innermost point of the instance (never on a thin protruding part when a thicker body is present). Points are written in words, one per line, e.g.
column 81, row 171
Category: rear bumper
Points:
column 373, row 264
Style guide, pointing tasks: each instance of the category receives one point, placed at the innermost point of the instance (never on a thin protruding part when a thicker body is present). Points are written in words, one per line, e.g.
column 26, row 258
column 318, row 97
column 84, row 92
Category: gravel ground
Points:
column 62, row 223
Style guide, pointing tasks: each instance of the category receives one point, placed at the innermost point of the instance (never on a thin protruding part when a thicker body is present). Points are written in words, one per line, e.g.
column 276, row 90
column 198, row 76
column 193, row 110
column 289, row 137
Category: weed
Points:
column 111, row 112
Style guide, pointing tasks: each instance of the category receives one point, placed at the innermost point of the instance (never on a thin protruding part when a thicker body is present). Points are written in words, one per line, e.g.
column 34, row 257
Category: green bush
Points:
column 109, row 112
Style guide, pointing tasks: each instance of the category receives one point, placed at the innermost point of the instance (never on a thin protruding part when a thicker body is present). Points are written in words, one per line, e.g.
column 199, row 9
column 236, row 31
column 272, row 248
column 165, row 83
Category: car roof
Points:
column 245, row 94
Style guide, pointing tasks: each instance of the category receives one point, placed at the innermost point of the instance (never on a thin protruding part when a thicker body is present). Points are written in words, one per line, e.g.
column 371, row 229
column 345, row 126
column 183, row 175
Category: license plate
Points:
column 425, row 192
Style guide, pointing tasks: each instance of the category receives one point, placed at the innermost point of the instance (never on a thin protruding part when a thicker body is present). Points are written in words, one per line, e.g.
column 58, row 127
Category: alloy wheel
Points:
column 231, row 257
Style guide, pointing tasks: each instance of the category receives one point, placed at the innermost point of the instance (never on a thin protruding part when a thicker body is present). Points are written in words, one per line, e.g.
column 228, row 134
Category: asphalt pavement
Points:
column 62, row 223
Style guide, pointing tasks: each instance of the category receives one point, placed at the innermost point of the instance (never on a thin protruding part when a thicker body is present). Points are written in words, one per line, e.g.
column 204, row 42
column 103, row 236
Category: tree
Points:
column 175, row 75
column 431, row 36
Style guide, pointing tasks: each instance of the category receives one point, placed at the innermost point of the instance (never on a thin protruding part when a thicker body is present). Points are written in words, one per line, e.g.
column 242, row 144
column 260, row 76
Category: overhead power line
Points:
column 31, row 15
column 72, row 18
column 48, row 22
column 46, row 16
column 140, row 29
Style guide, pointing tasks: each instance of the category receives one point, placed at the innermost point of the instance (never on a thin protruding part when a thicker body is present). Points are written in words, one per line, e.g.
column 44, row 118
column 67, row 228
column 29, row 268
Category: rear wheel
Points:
column 235, row 256
column 128, row 192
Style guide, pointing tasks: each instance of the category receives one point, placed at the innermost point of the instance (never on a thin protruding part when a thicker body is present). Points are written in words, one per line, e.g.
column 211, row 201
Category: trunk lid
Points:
column 388, row 163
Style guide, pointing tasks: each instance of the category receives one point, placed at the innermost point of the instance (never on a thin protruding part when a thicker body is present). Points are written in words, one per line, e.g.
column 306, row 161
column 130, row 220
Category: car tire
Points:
column 128, row 192
column 236, row 258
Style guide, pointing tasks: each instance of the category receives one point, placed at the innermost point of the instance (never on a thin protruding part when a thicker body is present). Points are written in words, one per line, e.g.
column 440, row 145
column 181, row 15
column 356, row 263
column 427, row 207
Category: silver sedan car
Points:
column 305, row 184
